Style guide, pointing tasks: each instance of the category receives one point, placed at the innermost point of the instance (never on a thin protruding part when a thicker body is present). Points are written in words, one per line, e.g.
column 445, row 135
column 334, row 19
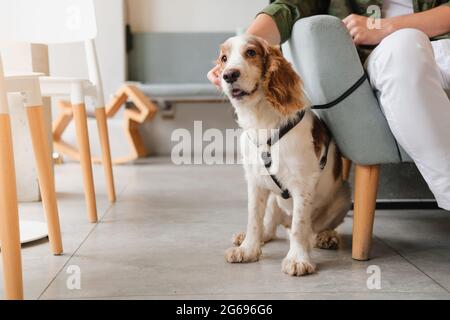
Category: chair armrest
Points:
column 323, row 53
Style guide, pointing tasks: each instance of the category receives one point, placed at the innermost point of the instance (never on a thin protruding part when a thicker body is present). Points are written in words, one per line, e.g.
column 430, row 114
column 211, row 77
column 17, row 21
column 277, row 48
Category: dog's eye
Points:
column 251, row 53
column 224, row 59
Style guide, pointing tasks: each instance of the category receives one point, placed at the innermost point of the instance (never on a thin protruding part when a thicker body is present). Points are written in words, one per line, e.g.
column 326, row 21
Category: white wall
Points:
column 192, row 15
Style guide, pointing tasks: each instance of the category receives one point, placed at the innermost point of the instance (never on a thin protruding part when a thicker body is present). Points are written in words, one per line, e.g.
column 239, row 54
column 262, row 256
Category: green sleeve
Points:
column 286, row 12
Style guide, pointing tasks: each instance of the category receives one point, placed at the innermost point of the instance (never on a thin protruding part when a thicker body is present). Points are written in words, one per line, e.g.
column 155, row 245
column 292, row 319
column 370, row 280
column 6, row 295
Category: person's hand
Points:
column 359, row 28
column 214, row 76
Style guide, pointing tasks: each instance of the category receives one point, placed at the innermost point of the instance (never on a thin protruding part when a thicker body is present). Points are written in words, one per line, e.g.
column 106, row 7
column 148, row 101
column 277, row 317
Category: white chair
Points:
column 58, row 22
column 28, row 86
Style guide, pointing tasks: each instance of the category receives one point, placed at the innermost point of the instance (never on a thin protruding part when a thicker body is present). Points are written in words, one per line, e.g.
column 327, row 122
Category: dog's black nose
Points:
column 231, row 75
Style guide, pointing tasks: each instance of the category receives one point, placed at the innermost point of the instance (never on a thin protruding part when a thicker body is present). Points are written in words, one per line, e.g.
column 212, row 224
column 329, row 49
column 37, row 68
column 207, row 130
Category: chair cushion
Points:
column 323, row 53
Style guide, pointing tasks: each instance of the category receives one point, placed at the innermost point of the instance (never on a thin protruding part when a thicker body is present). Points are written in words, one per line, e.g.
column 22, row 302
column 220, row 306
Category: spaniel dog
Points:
column 295, row 178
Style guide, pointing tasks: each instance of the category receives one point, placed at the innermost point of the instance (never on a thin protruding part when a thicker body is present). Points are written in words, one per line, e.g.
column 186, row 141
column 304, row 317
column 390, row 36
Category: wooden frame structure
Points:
column 144, row 110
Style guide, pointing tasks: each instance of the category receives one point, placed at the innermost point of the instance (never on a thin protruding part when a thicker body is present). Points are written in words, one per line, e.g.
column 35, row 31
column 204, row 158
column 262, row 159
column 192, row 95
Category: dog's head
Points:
column 249, row 68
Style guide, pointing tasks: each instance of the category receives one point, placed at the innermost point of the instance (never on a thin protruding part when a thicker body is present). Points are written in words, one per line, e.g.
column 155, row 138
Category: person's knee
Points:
column 406, row 44
column 405, row 53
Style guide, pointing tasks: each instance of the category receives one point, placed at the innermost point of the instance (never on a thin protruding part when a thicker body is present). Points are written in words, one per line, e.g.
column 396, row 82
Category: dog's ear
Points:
column 282, row 86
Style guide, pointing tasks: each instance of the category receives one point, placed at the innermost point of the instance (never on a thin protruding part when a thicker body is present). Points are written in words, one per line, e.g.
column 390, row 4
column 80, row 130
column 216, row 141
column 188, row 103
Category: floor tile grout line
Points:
column 413, row 264
column 81, row 244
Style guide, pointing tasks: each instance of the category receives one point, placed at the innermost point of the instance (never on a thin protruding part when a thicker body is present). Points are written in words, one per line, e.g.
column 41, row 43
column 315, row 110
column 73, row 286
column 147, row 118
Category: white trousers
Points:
column 410, row 73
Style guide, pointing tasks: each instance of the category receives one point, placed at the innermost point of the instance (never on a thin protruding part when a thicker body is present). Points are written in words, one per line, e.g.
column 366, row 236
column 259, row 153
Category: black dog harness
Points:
column 267, row 156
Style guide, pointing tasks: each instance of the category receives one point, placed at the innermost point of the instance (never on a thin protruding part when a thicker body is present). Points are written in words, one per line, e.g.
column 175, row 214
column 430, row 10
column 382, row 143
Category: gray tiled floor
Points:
column 166, row 237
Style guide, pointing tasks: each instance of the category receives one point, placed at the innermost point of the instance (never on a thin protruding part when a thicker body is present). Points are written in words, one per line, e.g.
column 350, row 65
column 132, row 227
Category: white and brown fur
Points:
column 267, row 94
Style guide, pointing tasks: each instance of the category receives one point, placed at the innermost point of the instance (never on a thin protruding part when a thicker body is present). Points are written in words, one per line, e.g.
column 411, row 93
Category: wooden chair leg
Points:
column 346, row 167
column 9, row 216
column 79, row 115
column 100, row 115
column 43, row 157
column 366, row 186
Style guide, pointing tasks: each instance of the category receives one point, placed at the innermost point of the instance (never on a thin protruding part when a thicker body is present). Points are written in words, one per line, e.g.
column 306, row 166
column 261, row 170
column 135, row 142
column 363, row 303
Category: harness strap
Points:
column 285, row 129
column 267, row 157
column 343, row 96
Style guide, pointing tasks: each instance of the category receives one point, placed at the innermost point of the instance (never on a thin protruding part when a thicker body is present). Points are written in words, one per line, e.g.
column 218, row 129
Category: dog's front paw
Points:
column 296, row 268
column 242, row 255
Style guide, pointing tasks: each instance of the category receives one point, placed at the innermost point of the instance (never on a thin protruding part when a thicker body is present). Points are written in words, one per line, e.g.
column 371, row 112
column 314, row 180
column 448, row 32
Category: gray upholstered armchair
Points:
column 357, row 123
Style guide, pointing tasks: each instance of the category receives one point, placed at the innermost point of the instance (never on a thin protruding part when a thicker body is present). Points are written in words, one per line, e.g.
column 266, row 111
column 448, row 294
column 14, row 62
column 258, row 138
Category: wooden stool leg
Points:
column 9, row 216
column 346, row 167
column 43, row 157
column 100, row 115
column 79, row 115
column 366, row 185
